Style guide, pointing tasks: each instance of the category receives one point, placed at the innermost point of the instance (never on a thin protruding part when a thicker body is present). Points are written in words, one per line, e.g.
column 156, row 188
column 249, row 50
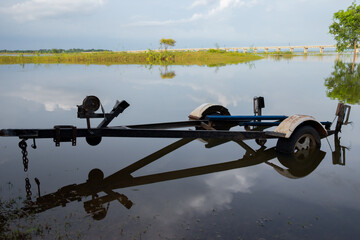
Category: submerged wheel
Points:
column 302, row 165
column 95, row 176
column 301, row 142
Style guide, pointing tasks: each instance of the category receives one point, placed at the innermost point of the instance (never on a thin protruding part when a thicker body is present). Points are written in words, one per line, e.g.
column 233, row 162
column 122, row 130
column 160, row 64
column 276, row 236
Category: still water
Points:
column 241, row 197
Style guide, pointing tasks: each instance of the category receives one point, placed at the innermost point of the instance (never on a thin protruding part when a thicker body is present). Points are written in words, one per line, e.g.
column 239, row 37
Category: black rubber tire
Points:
column 216, row 110
column 304, row 138
column 93, row 141
column 303, row 164
column 95, row 176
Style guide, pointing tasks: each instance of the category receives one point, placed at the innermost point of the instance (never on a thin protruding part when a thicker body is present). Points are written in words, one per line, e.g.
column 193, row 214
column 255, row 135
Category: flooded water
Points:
column 241, row 195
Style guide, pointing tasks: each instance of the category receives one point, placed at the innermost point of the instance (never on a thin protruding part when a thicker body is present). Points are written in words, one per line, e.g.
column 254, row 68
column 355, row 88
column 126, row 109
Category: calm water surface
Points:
column 257, row 197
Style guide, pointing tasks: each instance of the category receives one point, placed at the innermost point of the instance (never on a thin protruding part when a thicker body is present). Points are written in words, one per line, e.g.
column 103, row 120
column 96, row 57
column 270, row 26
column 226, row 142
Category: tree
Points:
column 346, row 28
column 166, row 42
column 344, row 83
column 167, row 74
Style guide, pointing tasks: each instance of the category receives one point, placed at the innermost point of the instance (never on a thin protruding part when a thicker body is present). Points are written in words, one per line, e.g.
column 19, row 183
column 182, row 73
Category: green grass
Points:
column 210, row 58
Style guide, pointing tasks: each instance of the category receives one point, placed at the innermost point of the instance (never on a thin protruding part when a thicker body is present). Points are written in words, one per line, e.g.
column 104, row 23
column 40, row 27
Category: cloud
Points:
column 212, row 10
column 212, row 192
column 51, row 98
column 212, row 94
column 198, row 3
column 224, row 4
column 221, row 188
column 39, row 9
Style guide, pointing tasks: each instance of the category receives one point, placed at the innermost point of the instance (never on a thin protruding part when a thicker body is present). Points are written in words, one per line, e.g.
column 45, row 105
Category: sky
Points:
column 140, row 24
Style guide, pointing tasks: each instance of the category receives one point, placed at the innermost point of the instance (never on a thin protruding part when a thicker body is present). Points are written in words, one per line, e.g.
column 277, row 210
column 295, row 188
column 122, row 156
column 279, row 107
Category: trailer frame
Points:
column 210, row 121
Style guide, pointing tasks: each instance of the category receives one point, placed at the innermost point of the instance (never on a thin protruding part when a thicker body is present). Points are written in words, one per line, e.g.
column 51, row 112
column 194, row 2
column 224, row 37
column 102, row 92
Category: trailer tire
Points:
column 302, row 164
column 95, row 177
column 304, row 138
column 216, row 110
column 94, row 140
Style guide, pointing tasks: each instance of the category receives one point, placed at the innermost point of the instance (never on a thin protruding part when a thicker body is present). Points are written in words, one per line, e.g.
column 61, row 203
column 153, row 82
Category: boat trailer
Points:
column 294, row 133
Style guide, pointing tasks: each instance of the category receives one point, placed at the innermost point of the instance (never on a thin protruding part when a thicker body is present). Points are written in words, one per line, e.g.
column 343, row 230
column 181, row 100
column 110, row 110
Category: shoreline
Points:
column 120, row 58
column 213, row 57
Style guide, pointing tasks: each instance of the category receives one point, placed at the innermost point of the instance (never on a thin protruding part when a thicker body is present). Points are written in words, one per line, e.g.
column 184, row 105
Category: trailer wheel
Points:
column 95, row 176
column 304, row 138
column 300, row 165
column 216, row 110
column 93, row 141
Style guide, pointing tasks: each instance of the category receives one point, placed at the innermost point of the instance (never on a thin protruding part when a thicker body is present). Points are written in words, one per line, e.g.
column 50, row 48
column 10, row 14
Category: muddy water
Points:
column 226, row 191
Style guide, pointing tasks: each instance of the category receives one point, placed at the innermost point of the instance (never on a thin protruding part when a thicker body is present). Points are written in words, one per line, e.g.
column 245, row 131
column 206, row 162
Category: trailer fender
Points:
column 289, row 125
column 208, row 109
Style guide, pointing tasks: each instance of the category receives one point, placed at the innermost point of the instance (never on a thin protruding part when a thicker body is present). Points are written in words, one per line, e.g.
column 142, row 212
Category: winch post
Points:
column 259, row 103
column 338, row 156
column 343, row 114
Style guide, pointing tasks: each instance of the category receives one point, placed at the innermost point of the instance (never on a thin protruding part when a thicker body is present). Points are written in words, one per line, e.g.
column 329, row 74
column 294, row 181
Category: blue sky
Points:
column 139, row 24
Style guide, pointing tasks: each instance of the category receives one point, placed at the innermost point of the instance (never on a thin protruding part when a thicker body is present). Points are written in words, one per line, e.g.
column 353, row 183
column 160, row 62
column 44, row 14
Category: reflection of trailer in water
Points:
column 294, row 133
column 98, row 205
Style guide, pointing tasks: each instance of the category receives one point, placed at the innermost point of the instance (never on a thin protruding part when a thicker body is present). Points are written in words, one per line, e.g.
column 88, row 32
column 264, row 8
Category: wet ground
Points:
column 222, row 192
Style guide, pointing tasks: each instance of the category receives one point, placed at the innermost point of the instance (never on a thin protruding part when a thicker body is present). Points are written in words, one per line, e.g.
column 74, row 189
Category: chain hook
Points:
column 23, row 146
column 34, row 144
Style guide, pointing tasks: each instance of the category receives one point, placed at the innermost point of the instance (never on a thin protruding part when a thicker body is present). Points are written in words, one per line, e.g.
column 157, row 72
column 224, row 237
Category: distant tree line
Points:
column 54, row 50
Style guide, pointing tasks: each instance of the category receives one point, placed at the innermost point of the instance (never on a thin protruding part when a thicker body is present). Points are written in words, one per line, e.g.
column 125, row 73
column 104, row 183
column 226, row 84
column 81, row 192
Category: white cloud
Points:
column 39, row 9
column 214, row 9
column 241, row 180
column 221, row 189
column 51, row 98
column 213, row 94
column 198, row 3
column 224, row 4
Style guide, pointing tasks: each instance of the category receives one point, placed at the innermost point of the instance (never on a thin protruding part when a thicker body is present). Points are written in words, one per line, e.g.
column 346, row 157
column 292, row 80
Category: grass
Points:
column 209, row 58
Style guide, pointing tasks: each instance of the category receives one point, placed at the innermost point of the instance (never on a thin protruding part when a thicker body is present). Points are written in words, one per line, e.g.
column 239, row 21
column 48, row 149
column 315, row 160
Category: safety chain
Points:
column 23, row 145
column 28, row 188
